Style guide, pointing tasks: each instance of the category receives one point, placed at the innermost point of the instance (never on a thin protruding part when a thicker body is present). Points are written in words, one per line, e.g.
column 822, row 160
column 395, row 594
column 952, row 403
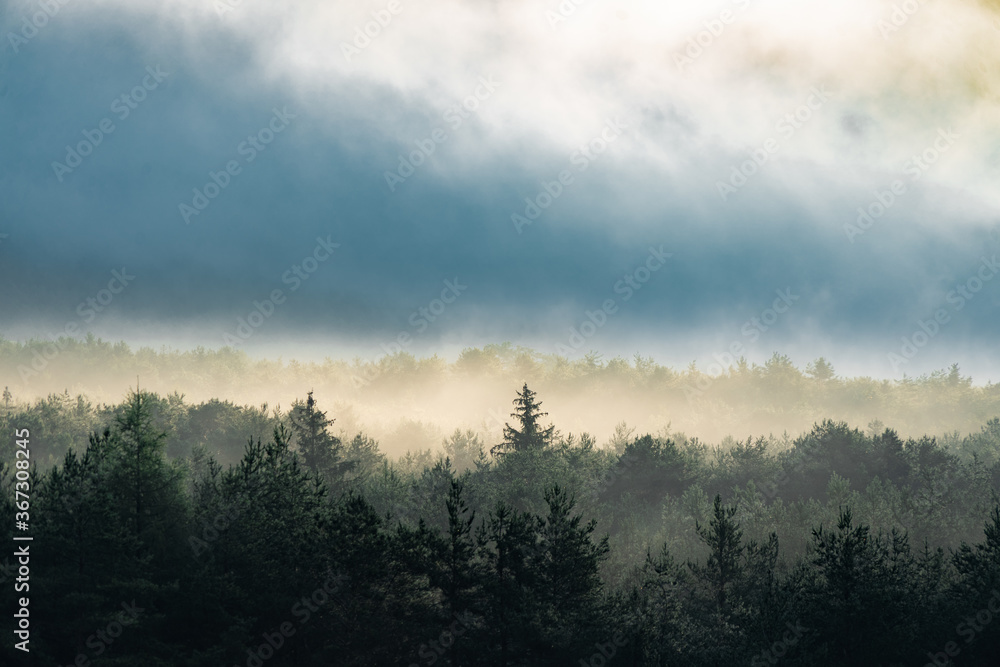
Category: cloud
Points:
column 848, row 103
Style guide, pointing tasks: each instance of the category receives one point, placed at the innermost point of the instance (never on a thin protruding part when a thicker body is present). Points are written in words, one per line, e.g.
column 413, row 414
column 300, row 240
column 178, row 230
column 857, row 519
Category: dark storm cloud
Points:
column 323, row 178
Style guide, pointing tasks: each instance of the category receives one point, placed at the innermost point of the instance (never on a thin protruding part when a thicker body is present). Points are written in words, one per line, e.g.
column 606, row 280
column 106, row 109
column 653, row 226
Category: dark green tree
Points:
column 651, row 611
column 321, row 452
column 507, row 543
column 115, row 520
column 146, row 482
column 569, row 586
column 859, row 605
column 978, row 588
column 532, row 435
column 458, row 574
column 725, row 559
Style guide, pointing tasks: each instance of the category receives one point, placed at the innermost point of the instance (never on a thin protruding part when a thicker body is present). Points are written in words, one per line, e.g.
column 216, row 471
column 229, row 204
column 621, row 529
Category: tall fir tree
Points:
column 568, row 578
column 507, row 542
column 149, row 486
column 725, row 559
column 532, row 435
column 321, row 452
column 457, row 572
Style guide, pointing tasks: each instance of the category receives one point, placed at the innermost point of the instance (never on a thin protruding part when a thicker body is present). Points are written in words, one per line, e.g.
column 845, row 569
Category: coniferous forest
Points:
column 167, row 532
column 499, row 333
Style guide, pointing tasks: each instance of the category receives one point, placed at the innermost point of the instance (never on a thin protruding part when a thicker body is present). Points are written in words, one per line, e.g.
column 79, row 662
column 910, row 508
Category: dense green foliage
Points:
column 160, row 541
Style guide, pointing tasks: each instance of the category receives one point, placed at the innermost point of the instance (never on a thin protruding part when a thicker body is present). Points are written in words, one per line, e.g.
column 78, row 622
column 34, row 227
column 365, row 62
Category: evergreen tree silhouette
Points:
column 531, row 436
column 320, row 451
column 725, row 560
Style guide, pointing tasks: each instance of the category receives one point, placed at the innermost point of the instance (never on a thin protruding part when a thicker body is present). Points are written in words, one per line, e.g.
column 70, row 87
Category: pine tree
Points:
column 464, row 449
column 569, row 584
column 653, row 610
column 458, row 572
column 321, row 452
column 115, row 520
column 858, row 606
column 821, row 369
column 725, row 560
column 979, row 588
column 507, row 541
column 148, row 486
column 263, row 542
column 90, row 562
column 531, row 436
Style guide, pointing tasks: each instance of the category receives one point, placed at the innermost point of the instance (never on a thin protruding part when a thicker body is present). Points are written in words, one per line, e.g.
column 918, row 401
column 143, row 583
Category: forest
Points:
column 412, row 403
column 500, row 333
column 173, row 532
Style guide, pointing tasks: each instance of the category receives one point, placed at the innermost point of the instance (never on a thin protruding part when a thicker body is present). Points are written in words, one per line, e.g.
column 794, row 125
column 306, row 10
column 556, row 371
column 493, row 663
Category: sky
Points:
column 689, row 181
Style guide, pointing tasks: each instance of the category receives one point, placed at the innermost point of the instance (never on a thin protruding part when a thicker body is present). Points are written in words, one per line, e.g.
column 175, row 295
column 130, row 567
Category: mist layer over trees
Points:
column 168, row 532
column 412, row 404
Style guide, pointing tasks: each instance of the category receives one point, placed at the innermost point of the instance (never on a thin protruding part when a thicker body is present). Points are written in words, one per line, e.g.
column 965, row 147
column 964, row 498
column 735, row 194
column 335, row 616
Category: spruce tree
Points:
column 320, row 451
column 858, row 606
column 507, row 542
column 725, row 560
column 569, row 584
column 457, row 571
column 152, row 502
column 531, row 436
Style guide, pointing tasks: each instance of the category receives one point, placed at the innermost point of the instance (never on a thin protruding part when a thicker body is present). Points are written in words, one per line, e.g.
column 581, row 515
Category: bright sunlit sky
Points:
column 532, row 154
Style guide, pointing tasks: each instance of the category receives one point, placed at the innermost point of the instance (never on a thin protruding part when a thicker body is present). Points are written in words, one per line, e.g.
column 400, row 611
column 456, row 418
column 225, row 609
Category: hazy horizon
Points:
column 412, row 403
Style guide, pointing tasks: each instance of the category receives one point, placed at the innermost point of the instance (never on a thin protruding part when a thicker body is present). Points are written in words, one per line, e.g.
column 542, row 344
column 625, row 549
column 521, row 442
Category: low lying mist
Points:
column 411, row 404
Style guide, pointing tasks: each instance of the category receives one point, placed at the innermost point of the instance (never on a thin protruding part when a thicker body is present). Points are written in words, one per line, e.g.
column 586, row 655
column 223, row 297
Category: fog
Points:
column 411, row 404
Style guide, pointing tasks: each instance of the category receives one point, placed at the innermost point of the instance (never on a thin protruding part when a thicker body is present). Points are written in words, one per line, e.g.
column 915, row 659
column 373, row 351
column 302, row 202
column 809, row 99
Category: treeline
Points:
column 839, row 547
column 410, row 403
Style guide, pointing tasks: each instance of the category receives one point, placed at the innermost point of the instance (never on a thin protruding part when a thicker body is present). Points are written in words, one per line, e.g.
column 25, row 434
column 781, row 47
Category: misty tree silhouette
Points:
column 531, row 436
